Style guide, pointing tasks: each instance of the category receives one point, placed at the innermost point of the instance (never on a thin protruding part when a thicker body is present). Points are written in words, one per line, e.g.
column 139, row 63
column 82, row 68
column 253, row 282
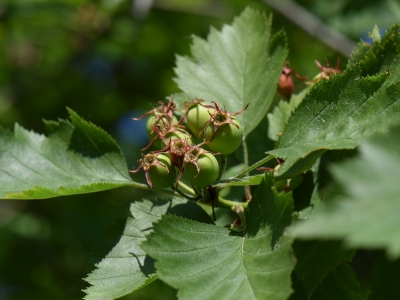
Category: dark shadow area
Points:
column 324, row 177
column 112, row 234
column 302, row 164
column 91, row 142
column 191, row 211
column 302, row 194
column 276, row 212
column 147, row 268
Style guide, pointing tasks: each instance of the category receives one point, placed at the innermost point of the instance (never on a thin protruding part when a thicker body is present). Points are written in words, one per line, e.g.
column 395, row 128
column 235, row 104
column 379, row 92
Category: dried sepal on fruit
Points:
column 162, row 125
column 177, row 149
column 220, row 117
column 326, row 72
column 222, row 130
column 161, row 111
column 183, row 154
column 158, row 170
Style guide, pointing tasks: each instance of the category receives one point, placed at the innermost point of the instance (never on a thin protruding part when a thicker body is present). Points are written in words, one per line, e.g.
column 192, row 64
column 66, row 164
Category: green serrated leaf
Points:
column 365, row 214
column 316, row 259
column 210, row 262
column 382, row 56
column 74, row 158
column 336, row 114
column 126, row 267
column 358, row 53
column 238, row 65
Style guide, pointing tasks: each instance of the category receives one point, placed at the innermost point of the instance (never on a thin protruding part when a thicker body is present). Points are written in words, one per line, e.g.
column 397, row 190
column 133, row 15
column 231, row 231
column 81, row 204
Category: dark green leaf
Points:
column 365, row 214
column 362, row 48
column 336, row 114
column 210, row 262
column 382, row 56
column 236, row 66
column 127, row 267
column 386, row 278
column 316, row 259
column 341, row 284
column 74, row 158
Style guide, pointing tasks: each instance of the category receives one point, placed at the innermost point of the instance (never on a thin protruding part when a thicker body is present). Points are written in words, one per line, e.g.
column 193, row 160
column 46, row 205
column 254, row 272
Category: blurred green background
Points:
column 110, row 60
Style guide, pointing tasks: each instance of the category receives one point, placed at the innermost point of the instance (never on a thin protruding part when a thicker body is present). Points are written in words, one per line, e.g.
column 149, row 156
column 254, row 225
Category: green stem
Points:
column 245, row 153
column 187, row 188
column 228, row 203
column 187, row 196
column 247, row 191
column 224, row 161
column 256, row 165
column 221, row 202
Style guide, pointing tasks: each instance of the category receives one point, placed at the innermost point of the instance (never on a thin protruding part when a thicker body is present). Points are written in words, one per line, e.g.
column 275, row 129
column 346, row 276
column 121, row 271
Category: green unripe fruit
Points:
column 160, row 176
column 209, row 170
column 280, row 185
column 295, row 182
column 197, row 117
column 151, row 120
column 226, row 139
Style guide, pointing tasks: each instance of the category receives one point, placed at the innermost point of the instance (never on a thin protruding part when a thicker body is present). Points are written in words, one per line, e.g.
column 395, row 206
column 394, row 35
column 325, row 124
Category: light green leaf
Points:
column 76, row 157
column 127, row 267
column 211, row 262
column 257, row 143
column 375, row 35
column 280, row 115
column 238, row 65
column 336, row 114
column 365, row 213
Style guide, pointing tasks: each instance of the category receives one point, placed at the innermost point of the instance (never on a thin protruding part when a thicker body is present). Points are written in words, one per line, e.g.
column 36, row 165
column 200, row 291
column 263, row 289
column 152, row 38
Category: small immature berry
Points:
column 295, row 182
column 226, row 138
column 197, row 116
column 207, row 172
column 280, row 185
column 162, row 176
column 158, row 170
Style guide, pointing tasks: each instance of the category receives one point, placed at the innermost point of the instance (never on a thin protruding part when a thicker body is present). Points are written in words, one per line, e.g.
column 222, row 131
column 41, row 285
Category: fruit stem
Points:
column 221, row 202
column 224, row 161
column 187, row 196
column 252, row 167
column 247, row 191
column 187, row 188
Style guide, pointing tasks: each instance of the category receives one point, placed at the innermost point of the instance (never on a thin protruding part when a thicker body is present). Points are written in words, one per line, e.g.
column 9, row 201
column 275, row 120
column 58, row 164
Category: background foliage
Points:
column 108, row 61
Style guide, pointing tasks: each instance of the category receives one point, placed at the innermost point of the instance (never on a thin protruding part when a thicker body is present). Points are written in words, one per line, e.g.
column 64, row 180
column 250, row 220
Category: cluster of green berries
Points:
column 177, row 152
